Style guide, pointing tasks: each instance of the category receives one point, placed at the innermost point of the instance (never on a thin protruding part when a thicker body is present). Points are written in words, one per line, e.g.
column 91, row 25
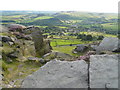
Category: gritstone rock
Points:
column 59, row 74
column 103, row 71
column 109, row 44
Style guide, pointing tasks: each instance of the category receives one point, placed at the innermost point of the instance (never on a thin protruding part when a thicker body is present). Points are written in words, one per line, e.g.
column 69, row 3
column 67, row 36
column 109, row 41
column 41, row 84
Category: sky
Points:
column 105, row 6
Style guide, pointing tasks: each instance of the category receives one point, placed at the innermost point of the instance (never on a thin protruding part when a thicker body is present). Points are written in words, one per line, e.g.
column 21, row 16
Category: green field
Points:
column 98, row 34
column 59, row 42
column 42, row 17
column 110, row 26
column 65, row 49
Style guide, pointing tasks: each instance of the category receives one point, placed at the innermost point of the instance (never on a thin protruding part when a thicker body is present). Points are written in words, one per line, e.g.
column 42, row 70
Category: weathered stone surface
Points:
column 16, row 27
column 59, row 55
column 94, row 47
column 5, row 39
column 13, row 54
column 80, row 48
column 59, row 74
column 33, row 58
column 103, row 71
column 41, row 46
column 109, row 44
column 36, row 59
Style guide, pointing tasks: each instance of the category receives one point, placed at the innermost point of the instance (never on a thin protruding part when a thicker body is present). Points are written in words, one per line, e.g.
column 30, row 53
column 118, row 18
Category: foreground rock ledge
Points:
column 103, row 71
column 59, row 74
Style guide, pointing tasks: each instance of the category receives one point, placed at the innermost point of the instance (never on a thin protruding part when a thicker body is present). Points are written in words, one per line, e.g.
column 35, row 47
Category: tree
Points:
column 100, row 37
column 81, row 36
column 89, row 38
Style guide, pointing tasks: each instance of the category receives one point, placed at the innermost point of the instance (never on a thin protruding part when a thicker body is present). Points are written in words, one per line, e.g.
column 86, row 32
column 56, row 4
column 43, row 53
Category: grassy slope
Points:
column 17, row 71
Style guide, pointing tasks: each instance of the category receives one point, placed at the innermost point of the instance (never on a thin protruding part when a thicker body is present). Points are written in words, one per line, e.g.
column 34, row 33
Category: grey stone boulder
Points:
column 13, row 54
column 10, row 43
column 80, row 48
column 109, row 44
column 36, row 59
column 94, row 47
column 41, row 46
column 103, row 71
column 5, row 39
column 32, row 58
column 55, row 54
column 16, row 27
column 59, row 74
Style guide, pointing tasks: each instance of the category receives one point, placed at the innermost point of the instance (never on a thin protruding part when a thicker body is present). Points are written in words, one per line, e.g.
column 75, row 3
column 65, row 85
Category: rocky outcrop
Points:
column 16, row 27
column 80, row 48
column 41, row 46
column 109, row 44
column 59, row 74
column 103, row 71
column 5, row 39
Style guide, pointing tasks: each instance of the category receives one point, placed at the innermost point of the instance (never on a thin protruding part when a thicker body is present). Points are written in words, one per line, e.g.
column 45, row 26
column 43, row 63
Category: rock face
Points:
column 109, row 44
column 59, row 74
column 16, row 27
column 41, row 46
column 103, row 71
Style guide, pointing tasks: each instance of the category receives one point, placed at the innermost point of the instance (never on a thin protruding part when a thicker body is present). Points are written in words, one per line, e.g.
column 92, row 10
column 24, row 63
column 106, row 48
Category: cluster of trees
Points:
column 85, row 37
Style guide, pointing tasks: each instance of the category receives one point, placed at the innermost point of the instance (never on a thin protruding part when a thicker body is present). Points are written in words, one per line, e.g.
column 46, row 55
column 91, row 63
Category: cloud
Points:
column 61, row 5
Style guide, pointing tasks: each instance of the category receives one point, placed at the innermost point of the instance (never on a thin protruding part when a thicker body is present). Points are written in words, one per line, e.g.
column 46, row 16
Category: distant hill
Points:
column 103, row 22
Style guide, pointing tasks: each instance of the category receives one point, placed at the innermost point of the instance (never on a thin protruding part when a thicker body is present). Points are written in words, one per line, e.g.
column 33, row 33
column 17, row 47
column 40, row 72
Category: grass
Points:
column 42, row 17
column 65, row 49
column 110, row 26
column 59, row 42
column 42, row 26
column 98, row 34
column 68, row 50
column 7, row 49
column 61, row 27
column 14, row 69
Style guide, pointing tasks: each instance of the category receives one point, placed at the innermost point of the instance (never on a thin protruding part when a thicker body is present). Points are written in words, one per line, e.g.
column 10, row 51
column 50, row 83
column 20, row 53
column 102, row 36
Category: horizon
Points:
column 101, row 6
column 55, row 11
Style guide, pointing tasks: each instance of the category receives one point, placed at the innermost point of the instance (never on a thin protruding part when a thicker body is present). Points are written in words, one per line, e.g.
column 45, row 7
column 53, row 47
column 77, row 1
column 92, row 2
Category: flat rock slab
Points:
column 59, row 74
column 103, row 71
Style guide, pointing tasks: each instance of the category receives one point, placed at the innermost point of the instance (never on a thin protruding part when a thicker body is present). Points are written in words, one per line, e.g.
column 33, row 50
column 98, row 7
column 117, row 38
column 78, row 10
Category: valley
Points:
column 30, row 39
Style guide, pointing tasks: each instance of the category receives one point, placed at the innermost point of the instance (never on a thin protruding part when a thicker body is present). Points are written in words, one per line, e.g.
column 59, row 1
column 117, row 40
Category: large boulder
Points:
column 6, row 39
column 41, row 46
column 103, row 71
column 109, row 44
column 80, row 48
column 16, row 27
column 59, row 74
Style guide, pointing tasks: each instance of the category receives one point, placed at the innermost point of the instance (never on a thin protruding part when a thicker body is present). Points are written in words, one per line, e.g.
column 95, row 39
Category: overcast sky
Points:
column 107, row 6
